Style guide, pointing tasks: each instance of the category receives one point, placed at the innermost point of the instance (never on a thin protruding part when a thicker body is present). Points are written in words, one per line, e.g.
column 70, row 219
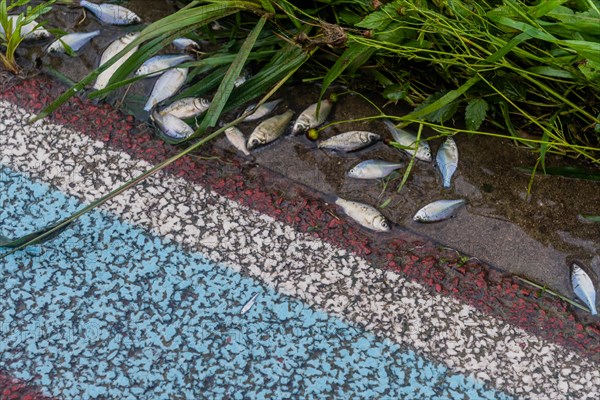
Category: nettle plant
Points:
column 18, row 27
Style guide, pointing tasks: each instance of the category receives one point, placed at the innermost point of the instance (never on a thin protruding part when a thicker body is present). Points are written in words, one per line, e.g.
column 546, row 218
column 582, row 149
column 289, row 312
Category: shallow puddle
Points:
column 530, row 236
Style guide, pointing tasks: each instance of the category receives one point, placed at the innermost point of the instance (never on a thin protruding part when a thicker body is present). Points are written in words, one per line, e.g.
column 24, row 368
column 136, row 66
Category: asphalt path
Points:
column 148, row 296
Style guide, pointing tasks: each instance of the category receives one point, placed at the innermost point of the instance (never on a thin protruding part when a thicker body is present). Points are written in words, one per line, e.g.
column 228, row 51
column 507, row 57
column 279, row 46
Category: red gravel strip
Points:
column 15, row 389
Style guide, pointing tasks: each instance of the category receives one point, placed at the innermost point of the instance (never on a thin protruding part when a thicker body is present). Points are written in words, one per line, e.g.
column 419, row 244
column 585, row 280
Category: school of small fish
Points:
column 170, row 119
column 171, row 77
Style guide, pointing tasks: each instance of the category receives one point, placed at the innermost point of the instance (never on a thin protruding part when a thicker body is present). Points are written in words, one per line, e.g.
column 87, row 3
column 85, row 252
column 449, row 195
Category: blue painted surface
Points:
column 109, row 310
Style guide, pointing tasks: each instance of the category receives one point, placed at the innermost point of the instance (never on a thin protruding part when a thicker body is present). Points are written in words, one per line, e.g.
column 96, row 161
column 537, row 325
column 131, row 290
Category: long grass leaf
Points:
column 355, row 51
column 227, row 84
column 443, row 101
column 38, row 237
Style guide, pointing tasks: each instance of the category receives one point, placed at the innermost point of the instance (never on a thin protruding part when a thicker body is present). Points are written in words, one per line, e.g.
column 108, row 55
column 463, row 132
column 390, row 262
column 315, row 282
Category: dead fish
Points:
column 111, row 13
column 166, row 86
column 185, row 44
column 30, row 31
column 112, row 49
column 156, row 65
column 407, row 139
column 262, row 111
column 364, row 214
column 373, row 169
column 244, row 76
column 447, row 160
column 269, row 130
column 237, row 139
column 350, row 141
column 172, row 126
column 438, row 210
column 584, row 287
column 309, row 119
column 75, row 41
column 188, row 107
column 248, row 305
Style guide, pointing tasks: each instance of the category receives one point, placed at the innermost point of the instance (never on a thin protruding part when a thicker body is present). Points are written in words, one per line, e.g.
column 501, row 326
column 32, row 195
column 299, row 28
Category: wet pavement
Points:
column 135, row 283
column 263, row 223
column 532, row 236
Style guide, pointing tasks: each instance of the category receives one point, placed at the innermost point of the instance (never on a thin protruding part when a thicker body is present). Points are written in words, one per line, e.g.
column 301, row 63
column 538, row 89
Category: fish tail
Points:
column 389, row 124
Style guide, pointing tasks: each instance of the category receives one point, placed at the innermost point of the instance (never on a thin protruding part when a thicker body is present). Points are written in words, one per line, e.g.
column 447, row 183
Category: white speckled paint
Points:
column 318, row 274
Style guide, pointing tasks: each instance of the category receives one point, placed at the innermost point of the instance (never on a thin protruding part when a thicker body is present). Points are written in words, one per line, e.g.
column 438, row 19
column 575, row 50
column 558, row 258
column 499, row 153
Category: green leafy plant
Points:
column 10, row 34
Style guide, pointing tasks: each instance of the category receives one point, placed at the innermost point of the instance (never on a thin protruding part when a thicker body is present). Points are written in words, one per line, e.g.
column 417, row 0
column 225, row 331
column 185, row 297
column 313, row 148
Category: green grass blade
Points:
column 567, row 172
column 354, row 56
column 220, row 100
column 443, row 101
column 592, row 218
column 38, row 237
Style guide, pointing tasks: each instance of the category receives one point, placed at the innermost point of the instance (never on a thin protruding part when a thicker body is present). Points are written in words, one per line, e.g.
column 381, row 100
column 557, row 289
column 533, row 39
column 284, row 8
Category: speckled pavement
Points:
column 143, row 298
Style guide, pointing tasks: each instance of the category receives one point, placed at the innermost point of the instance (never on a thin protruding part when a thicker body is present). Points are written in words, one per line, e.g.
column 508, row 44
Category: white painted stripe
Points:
column 300, row 265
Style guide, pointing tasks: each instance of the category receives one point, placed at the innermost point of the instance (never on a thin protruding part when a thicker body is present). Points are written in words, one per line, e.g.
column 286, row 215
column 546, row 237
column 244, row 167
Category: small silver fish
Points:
column 188, row 107
column 373, row 169
column 237, row 139
column 171, row 126
column 74, row 40
column 155, row 65
column 166, row 86
column 309, row 119
column 30, row 31
column 438, row 210
column 407, row 139
column 350, row 141
column 112, row 49
column 447, row 160
column 269, row 130
column 111, row 13
column 364, row 214
column 262, row 111
column 185, row 43
column 584, row 287
column 248, row 305
column 244, row 76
